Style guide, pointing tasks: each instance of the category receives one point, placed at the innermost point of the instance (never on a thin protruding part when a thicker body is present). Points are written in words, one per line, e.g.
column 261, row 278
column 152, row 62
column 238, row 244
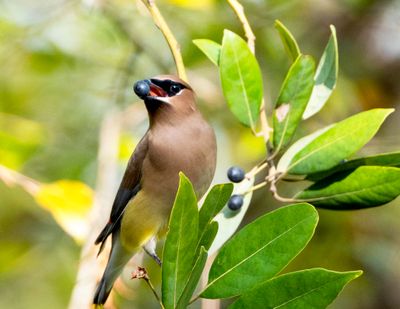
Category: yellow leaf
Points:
column 69, row 202
column 193, row 4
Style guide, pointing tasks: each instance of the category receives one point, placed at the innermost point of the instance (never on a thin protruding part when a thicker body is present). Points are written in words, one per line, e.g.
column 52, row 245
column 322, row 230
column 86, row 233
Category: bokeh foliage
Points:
column 66, row 64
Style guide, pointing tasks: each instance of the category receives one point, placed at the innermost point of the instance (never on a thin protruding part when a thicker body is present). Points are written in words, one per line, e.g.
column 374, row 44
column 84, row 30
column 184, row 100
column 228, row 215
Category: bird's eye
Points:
column 174, row 89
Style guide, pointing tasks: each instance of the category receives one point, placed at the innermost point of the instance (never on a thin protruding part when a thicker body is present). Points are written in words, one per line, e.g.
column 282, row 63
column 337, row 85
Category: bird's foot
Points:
column 150, row 249
column 153, row 255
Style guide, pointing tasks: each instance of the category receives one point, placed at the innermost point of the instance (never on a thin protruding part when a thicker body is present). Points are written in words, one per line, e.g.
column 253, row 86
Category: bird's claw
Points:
column 153, row 255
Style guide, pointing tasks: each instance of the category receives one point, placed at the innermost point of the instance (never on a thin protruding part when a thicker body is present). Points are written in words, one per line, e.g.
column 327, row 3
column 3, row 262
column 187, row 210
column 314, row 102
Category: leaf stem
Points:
column 256, row 187
column 147, row 280
column 239, row 11
column 258, row 168
column 168, row 35
column 194, row 298
column 274, row 192
column 141, row 273
column 274, row 177
column 265, row 128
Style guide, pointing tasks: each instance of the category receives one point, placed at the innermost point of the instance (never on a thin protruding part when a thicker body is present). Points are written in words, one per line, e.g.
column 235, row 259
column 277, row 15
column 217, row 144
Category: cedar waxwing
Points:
column 178, row 139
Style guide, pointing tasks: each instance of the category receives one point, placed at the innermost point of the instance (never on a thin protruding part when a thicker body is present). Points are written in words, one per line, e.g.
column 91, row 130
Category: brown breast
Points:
column 189, row 147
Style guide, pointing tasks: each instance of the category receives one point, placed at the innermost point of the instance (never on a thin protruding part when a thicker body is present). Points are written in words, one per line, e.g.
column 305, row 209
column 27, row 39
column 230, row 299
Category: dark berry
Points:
column 235, row 202
column 235, row 174
column 142, row 88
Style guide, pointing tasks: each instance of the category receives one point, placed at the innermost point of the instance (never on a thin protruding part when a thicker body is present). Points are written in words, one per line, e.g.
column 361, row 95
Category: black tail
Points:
column 103, row 237
column 102, row 293
column 116, row 262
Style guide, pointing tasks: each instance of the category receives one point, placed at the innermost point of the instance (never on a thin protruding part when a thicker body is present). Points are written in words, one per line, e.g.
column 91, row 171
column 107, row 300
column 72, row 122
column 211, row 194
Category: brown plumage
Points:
column 178, row 139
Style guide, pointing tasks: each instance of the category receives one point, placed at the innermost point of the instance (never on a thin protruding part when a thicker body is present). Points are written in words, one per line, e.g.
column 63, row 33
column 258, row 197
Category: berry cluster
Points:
column 235, row 174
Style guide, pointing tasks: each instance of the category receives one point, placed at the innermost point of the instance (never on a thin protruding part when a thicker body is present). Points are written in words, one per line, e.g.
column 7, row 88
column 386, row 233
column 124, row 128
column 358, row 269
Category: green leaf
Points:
column 260, row 250
column 216, row 199
column 208, row 235
column 367, row 186
column 288, row 40
column 193, row 280
column 241, row 79
column 312, row 288
column 292, row 100
column 384, row 159
column 180, row 244
column 338, row 142
column 229, row 220
column 210, row 48
column 325, row 77
column 214, row 202
column 287, row 157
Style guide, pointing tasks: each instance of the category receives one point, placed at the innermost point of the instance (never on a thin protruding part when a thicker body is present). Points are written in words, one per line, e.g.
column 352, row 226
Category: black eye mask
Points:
column 170, row 87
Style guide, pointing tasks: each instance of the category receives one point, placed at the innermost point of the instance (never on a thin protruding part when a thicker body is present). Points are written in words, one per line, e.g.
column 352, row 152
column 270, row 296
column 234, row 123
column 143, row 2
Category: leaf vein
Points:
column 326, row 145
column 351, row 192
column 243, row 88
column 308, row 292
column 257, row 251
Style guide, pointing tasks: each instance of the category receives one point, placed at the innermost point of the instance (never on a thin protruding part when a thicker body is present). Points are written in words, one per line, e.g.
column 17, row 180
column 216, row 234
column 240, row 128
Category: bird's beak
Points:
column 147, row 90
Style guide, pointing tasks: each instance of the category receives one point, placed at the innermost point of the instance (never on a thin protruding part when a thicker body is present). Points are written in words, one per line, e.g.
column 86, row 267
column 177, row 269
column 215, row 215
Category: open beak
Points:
column 156, row 91
column 147, row 90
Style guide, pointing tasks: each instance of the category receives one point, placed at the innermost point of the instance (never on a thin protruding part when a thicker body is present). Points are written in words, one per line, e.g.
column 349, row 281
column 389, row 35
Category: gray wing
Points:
column 129, row 187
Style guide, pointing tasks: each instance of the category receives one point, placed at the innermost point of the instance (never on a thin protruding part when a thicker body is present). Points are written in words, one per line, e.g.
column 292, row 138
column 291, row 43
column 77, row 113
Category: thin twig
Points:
column 257, row 169
column 169, row 36
column 265, row 128
column 239, row 11
column 274, row 191
column 10, row 177
column 141, row 273
column 256, row 187
column 274, row 177
column 154, row 292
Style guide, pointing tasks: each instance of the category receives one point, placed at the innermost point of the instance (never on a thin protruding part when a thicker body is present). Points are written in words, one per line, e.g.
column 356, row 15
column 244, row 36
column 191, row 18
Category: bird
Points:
column 178, row 139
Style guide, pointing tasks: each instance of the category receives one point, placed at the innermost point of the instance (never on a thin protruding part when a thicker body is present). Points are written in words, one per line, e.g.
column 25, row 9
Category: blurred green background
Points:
column 67, row 65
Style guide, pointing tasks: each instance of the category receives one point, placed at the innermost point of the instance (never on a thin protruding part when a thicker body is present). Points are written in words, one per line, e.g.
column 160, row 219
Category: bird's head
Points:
column 166, row 92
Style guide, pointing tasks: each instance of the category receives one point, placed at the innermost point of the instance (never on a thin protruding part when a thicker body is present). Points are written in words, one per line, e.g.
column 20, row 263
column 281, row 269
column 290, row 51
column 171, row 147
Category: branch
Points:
column 113, row 122
column 169, row 36
column 255, row 170
column 89, row 265
column 276, row 195
column 12, row 178
column 141, row 273
column 256, row 187
column 273, row 177
column 239, row 11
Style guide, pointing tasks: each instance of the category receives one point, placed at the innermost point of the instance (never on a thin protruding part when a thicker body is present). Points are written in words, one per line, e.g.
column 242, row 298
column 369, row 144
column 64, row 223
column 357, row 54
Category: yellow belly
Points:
column 143, row 218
